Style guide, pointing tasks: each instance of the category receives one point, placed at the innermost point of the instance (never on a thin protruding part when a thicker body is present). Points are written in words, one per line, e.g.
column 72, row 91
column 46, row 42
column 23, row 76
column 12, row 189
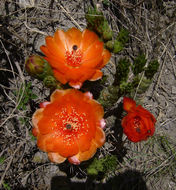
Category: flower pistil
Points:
column 74, row 57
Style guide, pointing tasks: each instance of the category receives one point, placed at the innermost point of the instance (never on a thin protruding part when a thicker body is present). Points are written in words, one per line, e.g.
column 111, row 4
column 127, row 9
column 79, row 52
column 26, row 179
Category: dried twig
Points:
column 9, row 163
column 34, row 29
column 67, row 13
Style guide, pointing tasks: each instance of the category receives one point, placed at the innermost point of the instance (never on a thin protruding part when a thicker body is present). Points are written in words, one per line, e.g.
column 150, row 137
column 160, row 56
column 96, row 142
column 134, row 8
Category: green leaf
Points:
column 27, row 95
column 32, row 136
column 2, row 159
column 33, row 96
column 6, row 186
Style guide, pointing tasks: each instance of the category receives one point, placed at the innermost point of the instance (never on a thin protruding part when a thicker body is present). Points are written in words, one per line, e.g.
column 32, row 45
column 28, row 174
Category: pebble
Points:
column 173, row 89
column 40, row 157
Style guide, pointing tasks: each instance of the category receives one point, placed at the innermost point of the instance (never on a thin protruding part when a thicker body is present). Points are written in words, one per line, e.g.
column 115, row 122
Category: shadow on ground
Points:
column 129, row 180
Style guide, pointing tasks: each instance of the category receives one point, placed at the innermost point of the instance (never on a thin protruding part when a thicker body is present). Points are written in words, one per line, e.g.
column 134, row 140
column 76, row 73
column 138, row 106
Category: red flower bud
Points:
column 38, row 67
column 34, row 65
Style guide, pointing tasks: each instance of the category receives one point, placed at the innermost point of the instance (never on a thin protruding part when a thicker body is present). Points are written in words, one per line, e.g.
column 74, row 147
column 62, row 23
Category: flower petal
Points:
column 79, row 75
column 55, row 143
column 93, row 52
column 74, row 37
column 60, row 40
column 88, row 37
column 46, row 125
column 57, row 94
column 45, row 50
column 44, row 104
column 84, row 142
column 106, row 58
column 99, row 137
column 97, row 109
column 148, row 126
column 98, row 75
column 82, row 156
column 145, row 112
column 54, row 48
column 37, row 116
column 102, row 123
column 60, row 77
column 55, row 157
column 128, row 104
column 76, row 85
column 57, row 64
column 89, row 95
column 74, row 160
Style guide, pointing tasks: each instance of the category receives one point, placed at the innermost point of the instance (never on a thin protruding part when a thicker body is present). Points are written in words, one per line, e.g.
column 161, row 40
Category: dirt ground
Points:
column 149, row 165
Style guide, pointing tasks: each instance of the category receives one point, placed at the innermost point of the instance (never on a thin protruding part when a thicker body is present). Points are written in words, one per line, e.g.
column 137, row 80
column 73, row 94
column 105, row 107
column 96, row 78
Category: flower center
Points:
column 75, row 47
column 74, row 57
column 68, row 126
column 149, row 131
column 137, row 124
column 72, row 122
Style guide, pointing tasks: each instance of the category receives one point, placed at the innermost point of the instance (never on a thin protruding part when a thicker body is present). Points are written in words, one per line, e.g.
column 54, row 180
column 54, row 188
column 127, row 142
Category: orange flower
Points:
column 139, row 123
column 69, row 126
column 75, row 56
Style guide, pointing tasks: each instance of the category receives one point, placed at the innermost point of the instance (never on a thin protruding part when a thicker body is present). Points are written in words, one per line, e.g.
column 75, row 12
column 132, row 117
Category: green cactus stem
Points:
column 123, row 36
column 109, row 96
column 139, row 64
column 118, row 46
column 103, row 165
column 107, row 32
column 109, row 45
column 97, row 22
column 151, row 69
column 122, row 71
column 121, row 40
column 51, row 82
column 126, row 88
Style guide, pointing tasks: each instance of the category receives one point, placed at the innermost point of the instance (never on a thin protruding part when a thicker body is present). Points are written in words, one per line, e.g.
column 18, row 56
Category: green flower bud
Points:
column 34, row 65
column 50, row 82
column 109, row 45
column 38, row 67
column 118, row 46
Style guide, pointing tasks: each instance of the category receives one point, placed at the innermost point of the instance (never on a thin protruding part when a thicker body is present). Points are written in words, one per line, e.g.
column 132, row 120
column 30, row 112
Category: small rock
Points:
column 171, row 110
column 173, row 90
column 40, row 157
column 26, row 3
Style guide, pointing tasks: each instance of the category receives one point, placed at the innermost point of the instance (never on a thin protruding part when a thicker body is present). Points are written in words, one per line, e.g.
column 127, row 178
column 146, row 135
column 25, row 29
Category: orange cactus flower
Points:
column 69, row 126
column 139, row 123
column 75, row 56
